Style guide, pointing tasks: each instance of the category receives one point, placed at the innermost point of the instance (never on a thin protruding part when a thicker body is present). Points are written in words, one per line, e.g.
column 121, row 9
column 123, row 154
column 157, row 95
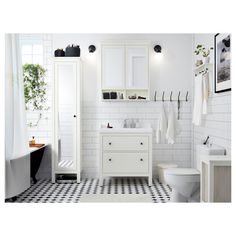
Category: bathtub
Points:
column 36, row 155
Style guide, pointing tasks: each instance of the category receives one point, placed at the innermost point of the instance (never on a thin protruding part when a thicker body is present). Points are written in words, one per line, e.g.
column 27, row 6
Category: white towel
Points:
column 173, row 127
column 205, row 82
column 198, row 100
column 161, row 126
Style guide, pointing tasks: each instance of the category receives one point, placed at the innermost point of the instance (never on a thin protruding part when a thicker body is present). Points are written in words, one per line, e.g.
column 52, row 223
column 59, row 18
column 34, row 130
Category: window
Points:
column 32, row 51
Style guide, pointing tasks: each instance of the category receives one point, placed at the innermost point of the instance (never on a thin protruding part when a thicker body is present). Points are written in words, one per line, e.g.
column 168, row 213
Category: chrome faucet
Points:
column 131, row 123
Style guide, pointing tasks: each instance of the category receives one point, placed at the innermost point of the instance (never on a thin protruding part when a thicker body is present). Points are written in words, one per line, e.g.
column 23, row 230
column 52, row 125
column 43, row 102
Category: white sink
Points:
column 207, row 152
column 216, row 159
column 125, row 130
column 210, row 150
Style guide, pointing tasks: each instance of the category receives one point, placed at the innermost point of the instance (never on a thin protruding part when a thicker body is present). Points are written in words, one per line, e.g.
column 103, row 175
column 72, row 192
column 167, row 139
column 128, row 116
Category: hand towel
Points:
column 161, row 126
column 198, row 100
column 173, row 127
column 205, row 82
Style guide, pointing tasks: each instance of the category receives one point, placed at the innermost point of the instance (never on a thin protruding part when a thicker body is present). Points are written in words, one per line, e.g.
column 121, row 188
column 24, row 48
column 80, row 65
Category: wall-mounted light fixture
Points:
column 157, row 48
column 158, row 53
column 91, row 49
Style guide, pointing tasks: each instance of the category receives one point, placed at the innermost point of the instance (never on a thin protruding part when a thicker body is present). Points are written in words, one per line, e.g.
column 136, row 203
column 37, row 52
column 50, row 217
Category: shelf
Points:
column 145, row 89
column 126, row 93
column 208, row 66
column 65, row 164
column 125, row 100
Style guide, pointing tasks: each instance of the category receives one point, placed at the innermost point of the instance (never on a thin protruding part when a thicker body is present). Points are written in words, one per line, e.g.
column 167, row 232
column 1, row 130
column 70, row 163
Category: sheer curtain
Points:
column 16, row 138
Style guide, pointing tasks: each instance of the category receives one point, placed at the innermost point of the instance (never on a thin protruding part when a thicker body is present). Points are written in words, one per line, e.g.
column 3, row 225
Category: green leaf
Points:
column 35, row 88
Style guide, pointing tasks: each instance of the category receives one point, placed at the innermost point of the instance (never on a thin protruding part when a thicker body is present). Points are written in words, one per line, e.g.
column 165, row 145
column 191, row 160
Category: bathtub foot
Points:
column 34, row 180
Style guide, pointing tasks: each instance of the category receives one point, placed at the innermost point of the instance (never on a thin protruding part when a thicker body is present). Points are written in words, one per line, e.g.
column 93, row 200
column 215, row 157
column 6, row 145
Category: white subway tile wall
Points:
column 43, row 131
column 95, row 114
column 217, row 123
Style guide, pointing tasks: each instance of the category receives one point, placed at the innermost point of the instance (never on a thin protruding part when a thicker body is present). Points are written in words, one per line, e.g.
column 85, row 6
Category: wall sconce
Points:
column 91, row 49
column 158, row 54
column 157, row 48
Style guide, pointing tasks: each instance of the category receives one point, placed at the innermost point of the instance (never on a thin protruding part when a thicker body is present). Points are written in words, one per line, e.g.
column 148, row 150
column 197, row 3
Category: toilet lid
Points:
column 182, row 171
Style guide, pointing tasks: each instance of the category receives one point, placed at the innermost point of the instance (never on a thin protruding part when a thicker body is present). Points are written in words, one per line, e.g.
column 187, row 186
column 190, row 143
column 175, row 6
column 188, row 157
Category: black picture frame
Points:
column 215, row 67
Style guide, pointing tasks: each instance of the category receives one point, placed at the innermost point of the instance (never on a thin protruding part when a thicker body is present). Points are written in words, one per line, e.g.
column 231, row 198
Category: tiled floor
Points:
column 69, row 191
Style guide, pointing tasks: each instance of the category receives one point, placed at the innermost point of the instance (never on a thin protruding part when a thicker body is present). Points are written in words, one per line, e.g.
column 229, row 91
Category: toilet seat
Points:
column 182, row 171
column 182, row 175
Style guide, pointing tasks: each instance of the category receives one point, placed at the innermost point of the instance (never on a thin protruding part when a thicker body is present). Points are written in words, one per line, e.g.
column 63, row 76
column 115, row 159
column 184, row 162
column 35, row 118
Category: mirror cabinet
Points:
column 125, row 72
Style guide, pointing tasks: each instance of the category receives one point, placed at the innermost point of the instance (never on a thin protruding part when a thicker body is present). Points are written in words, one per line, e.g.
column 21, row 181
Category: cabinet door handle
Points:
column 141, row 143
column 74, row 116
column 109, row 159
column 110, row 143
column 141, row 159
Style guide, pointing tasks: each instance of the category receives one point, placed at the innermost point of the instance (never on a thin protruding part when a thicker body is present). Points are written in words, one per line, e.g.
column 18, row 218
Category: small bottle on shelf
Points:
column 33, row 140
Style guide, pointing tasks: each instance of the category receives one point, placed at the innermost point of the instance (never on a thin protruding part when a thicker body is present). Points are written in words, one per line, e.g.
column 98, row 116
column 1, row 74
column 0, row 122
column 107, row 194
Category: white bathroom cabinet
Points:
column 125, row 152
column 216, row 179
column 125, row 70
column 66, row 117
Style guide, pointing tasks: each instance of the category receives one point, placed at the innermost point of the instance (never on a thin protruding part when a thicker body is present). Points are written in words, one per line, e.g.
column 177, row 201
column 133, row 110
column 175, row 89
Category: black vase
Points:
column 59, row 53
column 72, row 51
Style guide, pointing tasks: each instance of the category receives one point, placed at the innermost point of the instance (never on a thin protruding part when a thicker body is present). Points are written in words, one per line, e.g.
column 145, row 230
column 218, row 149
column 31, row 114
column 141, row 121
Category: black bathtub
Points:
column 36, row 156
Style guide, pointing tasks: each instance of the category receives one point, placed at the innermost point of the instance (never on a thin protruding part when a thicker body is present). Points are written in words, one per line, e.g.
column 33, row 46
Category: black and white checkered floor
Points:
column 69, row 191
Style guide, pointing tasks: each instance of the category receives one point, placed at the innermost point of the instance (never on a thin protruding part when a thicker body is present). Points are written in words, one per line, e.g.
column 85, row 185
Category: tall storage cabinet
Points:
column 66, row 117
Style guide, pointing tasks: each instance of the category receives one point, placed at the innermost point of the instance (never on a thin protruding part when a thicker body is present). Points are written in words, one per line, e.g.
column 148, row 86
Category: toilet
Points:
column 185, row 182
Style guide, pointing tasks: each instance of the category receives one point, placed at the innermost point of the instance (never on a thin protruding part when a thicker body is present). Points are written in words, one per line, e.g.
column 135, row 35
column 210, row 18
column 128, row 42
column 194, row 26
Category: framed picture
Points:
column 222, row 63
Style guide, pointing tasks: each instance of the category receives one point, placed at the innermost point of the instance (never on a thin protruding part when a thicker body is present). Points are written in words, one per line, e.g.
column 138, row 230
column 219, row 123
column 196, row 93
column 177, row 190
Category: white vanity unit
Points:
column 125, row 152
column 216, row 179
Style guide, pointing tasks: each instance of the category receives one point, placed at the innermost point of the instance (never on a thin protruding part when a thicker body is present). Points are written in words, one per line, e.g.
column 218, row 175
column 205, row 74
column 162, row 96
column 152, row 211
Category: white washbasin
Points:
column 125, row 130
column 216, row 158
column 210, row 150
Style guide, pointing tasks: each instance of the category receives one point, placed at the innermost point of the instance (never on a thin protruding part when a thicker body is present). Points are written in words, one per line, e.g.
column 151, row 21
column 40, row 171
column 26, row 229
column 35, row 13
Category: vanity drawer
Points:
column 125, row 163
column 125, row 143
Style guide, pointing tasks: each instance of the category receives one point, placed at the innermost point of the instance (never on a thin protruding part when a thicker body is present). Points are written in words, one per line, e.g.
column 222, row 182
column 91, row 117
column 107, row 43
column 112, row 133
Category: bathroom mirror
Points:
column 66, row 110
column 113, row 67
column 137, row 67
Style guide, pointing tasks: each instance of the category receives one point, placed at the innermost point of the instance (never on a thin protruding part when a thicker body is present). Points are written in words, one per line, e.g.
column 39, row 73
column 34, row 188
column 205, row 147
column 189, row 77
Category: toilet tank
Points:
column 204, row 150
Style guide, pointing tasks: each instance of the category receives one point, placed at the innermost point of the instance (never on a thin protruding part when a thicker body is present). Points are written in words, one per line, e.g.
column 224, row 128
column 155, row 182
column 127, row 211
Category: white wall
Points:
column 172, row 73
column 43, row 131
column 174, row 69
column 217, row 123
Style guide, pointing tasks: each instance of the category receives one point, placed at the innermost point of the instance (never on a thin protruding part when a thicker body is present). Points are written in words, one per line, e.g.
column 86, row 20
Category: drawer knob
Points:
column 141, row 143
column 141, row 159
column 109, row 159
column 110, row 143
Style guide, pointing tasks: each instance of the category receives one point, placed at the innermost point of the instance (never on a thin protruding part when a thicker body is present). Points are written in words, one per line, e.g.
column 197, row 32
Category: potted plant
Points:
column 205, row 52
column 35, row 89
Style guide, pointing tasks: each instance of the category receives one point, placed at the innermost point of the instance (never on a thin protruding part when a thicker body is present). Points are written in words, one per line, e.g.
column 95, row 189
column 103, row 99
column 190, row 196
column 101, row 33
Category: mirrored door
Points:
column 66, row 112
column 137, row 67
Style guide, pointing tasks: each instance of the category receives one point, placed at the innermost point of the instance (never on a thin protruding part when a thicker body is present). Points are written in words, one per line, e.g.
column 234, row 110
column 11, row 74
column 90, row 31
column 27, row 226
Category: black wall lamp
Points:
column 157, row 48
column 92, row 49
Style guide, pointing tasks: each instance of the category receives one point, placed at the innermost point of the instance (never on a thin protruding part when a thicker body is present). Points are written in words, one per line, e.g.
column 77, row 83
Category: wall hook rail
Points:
column 178, row 96
column 171, row 97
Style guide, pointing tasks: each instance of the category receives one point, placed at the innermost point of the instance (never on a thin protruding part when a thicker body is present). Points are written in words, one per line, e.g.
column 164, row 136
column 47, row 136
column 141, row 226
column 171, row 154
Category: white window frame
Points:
column 31, row 42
